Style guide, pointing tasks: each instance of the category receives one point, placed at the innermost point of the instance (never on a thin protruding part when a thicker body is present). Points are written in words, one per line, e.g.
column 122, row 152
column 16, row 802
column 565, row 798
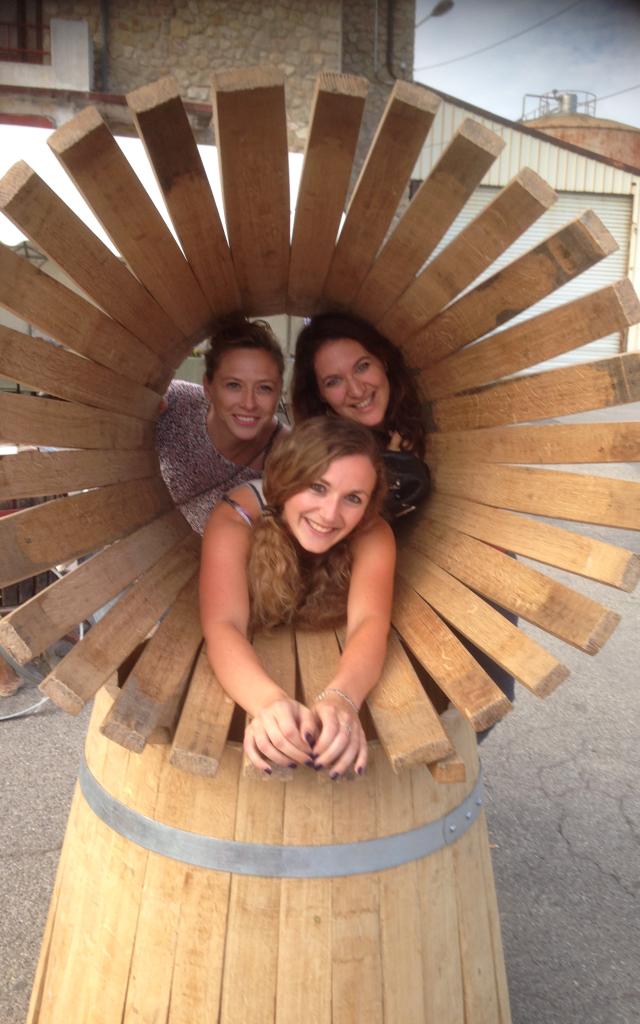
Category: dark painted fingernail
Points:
column 317, row 767
column 292, row 764
column 360, row 770
column 334, row 775
column 309, row 764
column 309, row 738
column 267, row 771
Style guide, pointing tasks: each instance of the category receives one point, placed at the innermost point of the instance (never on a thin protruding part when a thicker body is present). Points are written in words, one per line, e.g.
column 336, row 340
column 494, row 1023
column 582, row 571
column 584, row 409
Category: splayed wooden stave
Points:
column 162, row 302
column 516, row 207
column 33, row 207
column 39, row 622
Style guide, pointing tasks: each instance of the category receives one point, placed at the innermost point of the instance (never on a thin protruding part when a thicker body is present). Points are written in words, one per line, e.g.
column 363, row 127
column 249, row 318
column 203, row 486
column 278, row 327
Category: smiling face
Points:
column 331, row 507
column 352, row 381
column 244, row 392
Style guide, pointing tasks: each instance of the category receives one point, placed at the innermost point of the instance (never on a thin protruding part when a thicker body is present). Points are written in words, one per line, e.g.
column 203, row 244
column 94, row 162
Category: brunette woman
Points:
column 214, row 437
column 311, row 550
column 345, row 367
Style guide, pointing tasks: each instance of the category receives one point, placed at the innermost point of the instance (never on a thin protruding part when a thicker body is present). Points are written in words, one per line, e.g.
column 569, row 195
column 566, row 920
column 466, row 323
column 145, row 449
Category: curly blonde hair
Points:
column 286, row 583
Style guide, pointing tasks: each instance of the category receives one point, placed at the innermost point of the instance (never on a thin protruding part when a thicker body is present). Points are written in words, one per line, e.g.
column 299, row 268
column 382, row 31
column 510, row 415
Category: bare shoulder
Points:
column 379, row 537
column 226, row 545
column 226, row 524
column 242, row 499
column 246, row 497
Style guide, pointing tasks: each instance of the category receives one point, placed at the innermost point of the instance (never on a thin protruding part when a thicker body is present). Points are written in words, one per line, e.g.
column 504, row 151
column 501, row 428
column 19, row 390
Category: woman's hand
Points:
column 341, row 742
column 278, row 735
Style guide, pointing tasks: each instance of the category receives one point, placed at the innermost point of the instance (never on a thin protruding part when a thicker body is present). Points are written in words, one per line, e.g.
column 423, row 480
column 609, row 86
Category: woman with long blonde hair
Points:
column 345, row 368
column 311, row 549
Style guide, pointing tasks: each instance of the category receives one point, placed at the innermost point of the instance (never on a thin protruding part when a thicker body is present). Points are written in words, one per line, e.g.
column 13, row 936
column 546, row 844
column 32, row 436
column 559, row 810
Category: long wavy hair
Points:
column 286, row 583
column 404, row 412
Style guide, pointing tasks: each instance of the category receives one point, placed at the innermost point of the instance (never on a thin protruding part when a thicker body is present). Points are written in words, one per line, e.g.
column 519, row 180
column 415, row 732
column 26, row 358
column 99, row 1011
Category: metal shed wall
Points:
column 582, row 182
column 561, row 167
column 614, row 211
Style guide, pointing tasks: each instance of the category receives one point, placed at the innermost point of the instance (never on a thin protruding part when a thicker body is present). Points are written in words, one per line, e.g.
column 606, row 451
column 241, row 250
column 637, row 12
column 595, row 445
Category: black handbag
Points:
column 408, row 482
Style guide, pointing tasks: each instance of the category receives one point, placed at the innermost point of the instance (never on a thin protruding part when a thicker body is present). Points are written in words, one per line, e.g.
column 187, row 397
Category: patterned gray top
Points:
column 195, row 472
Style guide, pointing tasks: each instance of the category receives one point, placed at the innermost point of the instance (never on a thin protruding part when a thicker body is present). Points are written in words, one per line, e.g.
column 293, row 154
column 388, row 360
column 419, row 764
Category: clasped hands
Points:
column 327, row 736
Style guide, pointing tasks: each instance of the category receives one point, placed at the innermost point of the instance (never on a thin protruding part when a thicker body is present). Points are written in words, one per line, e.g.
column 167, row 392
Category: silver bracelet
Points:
column 345, row 696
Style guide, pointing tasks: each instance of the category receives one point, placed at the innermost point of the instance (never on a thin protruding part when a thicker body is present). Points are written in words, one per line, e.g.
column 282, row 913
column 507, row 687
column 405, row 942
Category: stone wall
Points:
column 377, row 42
column 192, row 38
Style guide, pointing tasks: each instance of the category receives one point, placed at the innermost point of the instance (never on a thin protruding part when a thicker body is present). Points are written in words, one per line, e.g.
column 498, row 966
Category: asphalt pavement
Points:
column 564, row 818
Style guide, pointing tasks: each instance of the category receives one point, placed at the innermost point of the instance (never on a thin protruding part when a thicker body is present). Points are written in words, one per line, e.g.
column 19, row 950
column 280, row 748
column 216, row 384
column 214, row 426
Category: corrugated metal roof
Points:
column 564, row 166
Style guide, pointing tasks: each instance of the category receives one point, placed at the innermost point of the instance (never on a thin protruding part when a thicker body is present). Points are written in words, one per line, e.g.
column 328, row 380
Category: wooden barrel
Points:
column 139, row 934
column 392, row 916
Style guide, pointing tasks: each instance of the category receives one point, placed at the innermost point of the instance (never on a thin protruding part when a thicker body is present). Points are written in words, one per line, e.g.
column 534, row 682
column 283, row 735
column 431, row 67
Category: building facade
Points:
column 77, row 53
column 72, row 48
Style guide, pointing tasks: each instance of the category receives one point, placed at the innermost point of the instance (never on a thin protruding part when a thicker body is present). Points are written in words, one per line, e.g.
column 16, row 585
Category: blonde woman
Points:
column 345, row 368
column 309, row 548
column 215, row 437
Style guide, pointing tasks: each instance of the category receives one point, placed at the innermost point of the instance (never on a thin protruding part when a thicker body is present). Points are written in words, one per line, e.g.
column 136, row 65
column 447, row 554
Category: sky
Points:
column 30, row 145
column 593, row 46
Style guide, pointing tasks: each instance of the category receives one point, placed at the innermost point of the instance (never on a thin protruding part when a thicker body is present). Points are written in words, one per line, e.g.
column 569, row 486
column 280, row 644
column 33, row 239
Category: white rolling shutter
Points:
column 615, row 212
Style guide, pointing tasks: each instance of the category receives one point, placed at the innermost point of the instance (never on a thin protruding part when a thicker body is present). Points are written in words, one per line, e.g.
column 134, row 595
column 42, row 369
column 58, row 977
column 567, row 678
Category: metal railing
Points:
column 24, row 43
column 558, row 101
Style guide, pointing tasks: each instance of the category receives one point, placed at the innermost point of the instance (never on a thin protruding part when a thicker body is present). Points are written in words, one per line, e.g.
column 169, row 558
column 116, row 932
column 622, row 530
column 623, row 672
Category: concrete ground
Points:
column 564, row 819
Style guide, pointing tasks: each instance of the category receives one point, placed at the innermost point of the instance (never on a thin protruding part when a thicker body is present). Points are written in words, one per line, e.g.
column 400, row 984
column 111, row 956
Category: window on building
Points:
column 23, row 37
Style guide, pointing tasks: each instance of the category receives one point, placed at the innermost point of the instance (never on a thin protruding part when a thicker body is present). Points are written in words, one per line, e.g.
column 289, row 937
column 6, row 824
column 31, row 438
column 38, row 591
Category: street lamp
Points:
column 442, row 7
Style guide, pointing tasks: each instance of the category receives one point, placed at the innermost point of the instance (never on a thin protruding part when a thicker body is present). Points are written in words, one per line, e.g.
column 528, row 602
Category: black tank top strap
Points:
column 237, row 507
column 257, row 490
column 269, row 445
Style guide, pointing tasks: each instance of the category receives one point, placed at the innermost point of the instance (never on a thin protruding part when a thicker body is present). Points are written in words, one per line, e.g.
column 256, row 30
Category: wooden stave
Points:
column 240, row 84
